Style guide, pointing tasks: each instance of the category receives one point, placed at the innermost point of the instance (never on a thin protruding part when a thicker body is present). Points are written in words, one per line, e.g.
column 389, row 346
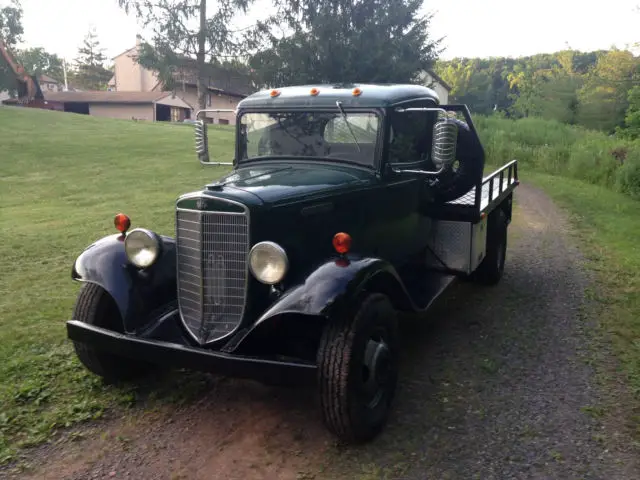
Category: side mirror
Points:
column 202, row 142
column 202, row 138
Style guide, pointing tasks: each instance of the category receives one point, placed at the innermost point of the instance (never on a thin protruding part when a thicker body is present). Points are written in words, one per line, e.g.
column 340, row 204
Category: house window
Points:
column 223, row 121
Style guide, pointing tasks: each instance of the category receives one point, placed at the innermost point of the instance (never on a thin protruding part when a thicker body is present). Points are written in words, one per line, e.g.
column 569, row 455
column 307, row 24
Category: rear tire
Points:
column 470, row 158
column 491, row 269
column 357, row 361
column 96, row 307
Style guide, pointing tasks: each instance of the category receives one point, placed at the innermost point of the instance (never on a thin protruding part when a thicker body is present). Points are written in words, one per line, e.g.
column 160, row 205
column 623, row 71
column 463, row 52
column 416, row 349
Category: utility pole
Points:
column 64, row 69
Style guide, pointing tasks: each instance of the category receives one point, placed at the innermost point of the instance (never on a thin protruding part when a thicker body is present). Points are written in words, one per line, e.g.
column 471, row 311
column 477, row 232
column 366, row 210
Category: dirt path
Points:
column 496, row 387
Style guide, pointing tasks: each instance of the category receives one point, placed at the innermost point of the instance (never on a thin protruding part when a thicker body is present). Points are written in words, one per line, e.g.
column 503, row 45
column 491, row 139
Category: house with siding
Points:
column 135, row 92
column 151, row 106
column 225, row 88
column 48, row 84
column 431, row 79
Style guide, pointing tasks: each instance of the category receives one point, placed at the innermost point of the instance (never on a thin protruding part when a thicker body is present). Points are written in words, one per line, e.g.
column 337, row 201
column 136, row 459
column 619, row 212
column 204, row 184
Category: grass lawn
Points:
column 63, row 177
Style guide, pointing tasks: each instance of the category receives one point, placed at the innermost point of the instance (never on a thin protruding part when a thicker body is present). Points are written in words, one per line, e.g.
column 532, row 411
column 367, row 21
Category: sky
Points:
column 472, row 28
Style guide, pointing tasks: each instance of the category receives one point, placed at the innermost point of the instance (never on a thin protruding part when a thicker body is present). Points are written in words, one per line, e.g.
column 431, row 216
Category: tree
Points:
column 345, row 41
column 37, row 61
column 632, row 116
column 474, row 82
column 525, row 83
column 90, row 72
column 603, row 98
column 569, row 86
column 10, row 32
column 176, row 35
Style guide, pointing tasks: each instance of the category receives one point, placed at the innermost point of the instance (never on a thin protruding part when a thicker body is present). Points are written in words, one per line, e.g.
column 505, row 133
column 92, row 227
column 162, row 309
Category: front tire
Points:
column 358, row 366
column 96, row 307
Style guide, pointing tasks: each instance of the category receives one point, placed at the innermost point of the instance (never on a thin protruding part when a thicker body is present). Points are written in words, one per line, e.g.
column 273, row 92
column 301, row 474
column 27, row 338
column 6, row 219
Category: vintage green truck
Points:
column 344, row 205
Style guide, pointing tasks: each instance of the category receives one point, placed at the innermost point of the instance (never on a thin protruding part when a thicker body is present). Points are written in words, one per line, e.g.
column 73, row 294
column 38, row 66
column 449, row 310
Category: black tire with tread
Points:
column 340, row 356
column 96, row 307
column 470, row 155
column 491, row 269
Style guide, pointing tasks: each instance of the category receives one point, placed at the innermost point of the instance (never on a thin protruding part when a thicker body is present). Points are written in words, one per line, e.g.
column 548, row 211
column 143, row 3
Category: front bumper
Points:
column 182, row 356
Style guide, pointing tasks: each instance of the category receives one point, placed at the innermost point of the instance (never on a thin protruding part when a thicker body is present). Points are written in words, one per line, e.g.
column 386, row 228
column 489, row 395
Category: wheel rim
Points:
column 377, row 370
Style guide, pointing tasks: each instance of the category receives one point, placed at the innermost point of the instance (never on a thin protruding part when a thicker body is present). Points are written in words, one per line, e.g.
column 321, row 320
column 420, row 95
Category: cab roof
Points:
column 326, row 95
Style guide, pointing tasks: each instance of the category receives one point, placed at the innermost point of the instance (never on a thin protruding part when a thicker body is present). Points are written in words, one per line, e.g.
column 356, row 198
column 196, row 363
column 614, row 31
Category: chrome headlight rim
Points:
column 280, row 252
column 155, row 247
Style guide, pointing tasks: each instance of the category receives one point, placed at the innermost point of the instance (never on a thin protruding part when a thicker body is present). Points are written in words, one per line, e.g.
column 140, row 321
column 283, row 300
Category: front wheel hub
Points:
column 376, row 370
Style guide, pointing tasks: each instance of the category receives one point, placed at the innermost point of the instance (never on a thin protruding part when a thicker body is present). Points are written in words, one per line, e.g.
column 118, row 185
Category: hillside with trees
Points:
column 599, row 90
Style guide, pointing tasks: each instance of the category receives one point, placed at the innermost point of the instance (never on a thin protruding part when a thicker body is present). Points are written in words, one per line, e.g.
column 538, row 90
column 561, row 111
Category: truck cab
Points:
column 343, row 205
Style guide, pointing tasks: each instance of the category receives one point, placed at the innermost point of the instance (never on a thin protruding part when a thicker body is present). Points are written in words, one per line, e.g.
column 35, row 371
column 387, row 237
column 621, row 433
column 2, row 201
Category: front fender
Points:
column 333, row 286
column 137, row 292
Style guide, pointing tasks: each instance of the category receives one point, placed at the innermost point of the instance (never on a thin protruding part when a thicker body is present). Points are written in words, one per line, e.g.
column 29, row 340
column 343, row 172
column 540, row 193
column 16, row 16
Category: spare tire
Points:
column 467, row 170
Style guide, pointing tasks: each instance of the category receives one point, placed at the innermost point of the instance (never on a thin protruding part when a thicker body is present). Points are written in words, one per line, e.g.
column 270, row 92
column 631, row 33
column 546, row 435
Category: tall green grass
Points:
column 552, row 147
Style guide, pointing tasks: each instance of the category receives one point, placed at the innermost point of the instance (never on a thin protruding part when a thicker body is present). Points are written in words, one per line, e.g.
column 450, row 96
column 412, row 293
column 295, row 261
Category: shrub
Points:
column 628, row 175
column 591, row 160
column 553, row 147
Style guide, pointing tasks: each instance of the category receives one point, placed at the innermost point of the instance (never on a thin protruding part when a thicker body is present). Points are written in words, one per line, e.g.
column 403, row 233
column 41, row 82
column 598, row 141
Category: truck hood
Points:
column 280, row 182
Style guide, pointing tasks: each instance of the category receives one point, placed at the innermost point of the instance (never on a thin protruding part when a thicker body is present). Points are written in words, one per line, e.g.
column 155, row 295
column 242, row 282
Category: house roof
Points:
column 216, row 90
column 439, row 79
column 48, row 79
column 126, row 51
column 100, row 96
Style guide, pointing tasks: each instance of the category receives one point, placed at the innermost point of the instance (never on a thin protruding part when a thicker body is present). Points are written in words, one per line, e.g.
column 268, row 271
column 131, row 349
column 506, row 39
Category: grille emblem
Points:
column 201, row 204
column 217, row 279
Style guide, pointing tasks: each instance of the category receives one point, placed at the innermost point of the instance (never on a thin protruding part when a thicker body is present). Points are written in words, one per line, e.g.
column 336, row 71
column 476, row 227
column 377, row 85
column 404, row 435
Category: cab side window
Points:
column 410, row 136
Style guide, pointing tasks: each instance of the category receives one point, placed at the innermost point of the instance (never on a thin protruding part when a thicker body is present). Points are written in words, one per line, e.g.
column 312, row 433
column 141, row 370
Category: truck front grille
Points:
column 212, row 250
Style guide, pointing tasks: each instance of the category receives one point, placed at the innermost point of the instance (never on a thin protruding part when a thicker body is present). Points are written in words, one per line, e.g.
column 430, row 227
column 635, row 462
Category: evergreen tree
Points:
column 90, row 72
column 346, row 41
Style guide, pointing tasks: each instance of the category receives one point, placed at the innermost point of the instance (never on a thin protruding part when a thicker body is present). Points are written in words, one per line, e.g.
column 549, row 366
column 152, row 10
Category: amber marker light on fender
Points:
column 314, row 91
column 122, row 222
column 342, row 242
column 274, row 93
column 356, row 92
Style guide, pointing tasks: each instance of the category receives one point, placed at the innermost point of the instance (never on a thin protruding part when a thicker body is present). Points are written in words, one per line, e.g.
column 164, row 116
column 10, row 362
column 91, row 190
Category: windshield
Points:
column 324, row 135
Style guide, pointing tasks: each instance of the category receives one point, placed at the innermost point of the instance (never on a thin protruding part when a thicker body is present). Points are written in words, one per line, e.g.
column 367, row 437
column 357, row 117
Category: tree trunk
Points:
column 202, row 84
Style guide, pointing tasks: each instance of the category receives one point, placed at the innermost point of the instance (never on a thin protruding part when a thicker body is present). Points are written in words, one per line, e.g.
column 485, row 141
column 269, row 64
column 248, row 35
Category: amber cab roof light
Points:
column 342, row 242
column 122, row 222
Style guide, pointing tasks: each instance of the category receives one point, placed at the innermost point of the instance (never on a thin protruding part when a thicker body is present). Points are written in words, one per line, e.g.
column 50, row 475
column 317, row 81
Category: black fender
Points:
column 329, row 290
column 137, row 292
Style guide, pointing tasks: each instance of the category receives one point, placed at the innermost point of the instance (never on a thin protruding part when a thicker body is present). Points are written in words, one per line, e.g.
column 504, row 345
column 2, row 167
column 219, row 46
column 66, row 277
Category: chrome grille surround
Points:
column 212, row 249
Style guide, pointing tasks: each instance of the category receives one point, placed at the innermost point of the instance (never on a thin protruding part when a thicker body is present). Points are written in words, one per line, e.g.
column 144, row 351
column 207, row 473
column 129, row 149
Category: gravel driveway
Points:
column 496, row 387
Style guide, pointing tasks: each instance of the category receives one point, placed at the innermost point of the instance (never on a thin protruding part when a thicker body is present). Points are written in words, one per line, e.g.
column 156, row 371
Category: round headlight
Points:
column 142, row 247
column 268, row 262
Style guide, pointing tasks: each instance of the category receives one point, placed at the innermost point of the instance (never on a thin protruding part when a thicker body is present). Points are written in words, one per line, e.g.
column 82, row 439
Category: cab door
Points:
column 408, row 146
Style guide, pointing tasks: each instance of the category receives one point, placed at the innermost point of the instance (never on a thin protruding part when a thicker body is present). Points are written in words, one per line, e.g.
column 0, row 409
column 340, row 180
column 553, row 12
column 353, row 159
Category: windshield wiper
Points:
column 344, row 115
